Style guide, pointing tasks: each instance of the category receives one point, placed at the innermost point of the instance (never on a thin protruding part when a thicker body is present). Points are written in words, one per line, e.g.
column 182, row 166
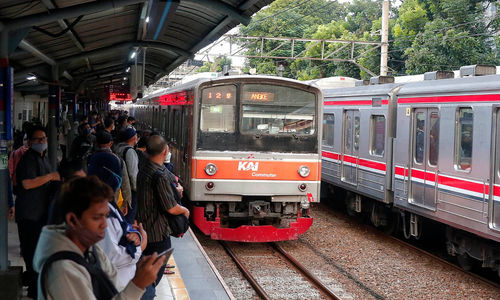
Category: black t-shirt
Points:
column 33, row 204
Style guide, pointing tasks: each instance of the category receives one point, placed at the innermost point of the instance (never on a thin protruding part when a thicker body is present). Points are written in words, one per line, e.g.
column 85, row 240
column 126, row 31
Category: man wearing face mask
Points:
column 33, row 173
column 70, row 264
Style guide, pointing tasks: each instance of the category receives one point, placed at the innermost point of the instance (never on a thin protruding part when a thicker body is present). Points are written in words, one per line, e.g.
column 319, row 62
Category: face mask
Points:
column 168, row 157
column 39, row 147
column 86, row 237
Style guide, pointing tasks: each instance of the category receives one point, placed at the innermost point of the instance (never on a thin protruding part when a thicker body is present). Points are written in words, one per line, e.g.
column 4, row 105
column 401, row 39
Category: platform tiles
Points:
column 197, row 275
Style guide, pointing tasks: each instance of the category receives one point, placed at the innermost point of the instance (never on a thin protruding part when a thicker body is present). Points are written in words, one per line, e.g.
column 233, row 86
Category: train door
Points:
column 496, row 190
column 351, row 146
column 425, row 153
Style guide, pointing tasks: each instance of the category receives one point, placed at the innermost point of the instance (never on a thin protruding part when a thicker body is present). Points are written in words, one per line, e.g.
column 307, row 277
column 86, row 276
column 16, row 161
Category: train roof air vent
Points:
column 361, row 82
column 477, row 70
column 436, row 75
column 381, row 80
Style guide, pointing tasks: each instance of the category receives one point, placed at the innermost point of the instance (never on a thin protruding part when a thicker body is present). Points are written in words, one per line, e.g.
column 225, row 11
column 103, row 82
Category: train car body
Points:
column 247, row 151
column 358, row 130
column 440, row 158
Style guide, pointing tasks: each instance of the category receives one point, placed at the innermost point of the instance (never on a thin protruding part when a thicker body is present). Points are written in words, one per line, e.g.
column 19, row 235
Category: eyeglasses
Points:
column 41, row 139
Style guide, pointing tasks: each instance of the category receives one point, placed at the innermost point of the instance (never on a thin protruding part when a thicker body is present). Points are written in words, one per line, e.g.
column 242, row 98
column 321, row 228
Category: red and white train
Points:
column 413, row 152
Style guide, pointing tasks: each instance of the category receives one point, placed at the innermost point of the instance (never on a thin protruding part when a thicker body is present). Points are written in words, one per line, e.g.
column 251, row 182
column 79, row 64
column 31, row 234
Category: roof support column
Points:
column 54, row 107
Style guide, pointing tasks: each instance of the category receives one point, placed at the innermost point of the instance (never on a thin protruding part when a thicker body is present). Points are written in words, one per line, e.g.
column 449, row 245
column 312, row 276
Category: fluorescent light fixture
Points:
column 133, row 54
column 31, row 77
column 127, row 70
column 147, row 19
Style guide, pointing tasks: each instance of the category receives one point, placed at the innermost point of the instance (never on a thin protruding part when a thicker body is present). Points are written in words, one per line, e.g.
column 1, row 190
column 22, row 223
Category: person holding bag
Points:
column 156, row 200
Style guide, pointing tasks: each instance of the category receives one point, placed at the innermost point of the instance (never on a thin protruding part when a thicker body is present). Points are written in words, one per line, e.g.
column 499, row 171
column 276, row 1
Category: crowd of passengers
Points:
column 92, row 226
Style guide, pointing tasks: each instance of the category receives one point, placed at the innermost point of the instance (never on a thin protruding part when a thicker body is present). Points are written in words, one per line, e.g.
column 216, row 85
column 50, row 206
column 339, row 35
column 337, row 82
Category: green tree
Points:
column 216, row 66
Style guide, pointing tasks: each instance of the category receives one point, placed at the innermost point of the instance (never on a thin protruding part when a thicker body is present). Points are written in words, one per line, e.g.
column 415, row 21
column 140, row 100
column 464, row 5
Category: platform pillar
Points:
column 54, row 113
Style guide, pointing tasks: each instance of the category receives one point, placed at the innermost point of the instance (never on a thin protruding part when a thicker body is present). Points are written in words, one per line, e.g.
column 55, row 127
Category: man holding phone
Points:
column 71, row 266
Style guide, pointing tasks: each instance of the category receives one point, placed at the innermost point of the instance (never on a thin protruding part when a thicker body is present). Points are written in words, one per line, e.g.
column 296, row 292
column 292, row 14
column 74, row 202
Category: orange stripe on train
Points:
column 256, row 170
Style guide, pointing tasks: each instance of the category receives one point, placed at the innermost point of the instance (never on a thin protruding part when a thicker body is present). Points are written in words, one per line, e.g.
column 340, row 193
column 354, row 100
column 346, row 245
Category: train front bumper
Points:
column 248, row 233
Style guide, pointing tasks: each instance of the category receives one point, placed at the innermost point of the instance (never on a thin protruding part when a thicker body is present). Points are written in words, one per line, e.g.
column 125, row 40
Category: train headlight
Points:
column 210, row 169
column 304, row 203
column 304, row 171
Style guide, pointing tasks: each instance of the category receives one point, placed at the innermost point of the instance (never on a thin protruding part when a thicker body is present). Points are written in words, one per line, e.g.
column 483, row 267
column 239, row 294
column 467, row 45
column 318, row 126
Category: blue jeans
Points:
column 157, row 247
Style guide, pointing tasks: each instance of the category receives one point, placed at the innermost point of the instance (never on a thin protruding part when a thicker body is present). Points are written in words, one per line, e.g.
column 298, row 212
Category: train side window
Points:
column 328, row 129
column 357, row 126
column 434, row 139
column 377, row 135
column 463, row 138
column 419, row 138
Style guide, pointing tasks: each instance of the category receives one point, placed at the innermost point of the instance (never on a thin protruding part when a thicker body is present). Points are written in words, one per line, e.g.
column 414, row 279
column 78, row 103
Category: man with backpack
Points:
column 71, row 266
column 125, row 150
column 156, row 199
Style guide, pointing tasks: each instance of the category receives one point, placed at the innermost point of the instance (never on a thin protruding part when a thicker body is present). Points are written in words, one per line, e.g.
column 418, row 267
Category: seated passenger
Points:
column 71, row 266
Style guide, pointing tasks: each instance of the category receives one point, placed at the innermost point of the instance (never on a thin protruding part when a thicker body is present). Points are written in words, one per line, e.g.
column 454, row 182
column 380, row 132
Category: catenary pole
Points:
column 385, row 38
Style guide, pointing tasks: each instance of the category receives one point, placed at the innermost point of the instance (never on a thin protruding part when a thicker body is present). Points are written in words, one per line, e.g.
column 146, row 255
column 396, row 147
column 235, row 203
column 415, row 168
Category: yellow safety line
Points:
column 179, row 291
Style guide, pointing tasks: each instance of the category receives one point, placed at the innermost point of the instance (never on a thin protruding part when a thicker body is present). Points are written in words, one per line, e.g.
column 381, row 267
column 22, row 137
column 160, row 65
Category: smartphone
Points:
column 167, row 253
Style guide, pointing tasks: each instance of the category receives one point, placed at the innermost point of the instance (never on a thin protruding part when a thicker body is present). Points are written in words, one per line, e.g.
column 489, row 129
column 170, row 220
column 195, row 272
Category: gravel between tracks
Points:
column 357, row 263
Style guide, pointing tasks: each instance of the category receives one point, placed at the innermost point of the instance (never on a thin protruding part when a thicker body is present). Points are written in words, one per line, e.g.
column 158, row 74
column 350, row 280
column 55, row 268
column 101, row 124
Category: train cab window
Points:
column 328, row 129
column 218, row 109
column 464, row 138
column 278, row 110
column 377, row 135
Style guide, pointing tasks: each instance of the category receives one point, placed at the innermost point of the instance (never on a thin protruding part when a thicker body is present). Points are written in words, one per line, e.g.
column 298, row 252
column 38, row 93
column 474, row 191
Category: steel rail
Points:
column 257, row 287
column 313, row 279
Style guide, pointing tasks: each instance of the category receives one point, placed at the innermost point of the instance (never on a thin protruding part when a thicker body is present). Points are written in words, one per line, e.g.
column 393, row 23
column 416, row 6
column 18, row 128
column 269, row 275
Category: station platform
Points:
column 195, row 276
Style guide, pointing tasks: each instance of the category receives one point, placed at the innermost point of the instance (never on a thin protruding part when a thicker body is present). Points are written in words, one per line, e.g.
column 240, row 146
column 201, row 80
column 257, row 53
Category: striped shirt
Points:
column 154, row 197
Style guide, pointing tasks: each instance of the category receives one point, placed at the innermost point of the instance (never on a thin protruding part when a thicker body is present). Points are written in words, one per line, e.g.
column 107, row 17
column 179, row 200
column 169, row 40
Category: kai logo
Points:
column 248, row 166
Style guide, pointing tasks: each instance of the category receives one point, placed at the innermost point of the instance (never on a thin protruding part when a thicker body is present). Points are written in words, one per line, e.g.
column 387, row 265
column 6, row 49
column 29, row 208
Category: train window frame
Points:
column 458, row 148
column 235, row 109
column 372, row 136
column 415, row 138
column 431, row 143
column 316, row 116
column 324, row 141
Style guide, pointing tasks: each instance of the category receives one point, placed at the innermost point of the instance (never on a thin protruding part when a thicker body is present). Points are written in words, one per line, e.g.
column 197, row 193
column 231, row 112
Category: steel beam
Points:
column 66, row 12
column 222, row 7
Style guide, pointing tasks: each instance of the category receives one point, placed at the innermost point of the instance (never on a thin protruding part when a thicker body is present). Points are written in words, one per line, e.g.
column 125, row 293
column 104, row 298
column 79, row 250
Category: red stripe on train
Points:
column 354, row 102
column 352, row 159
column 467, row 98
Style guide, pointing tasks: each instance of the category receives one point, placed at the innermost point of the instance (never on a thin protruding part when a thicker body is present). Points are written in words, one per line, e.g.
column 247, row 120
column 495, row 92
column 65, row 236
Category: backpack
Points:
column 102, row 286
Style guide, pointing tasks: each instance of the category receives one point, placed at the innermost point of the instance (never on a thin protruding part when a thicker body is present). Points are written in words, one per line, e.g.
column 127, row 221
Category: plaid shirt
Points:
column 154, row 197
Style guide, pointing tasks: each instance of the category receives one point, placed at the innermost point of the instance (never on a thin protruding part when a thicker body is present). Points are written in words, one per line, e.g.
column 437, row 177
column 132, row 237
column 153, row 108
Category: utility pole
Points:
column 385, row 38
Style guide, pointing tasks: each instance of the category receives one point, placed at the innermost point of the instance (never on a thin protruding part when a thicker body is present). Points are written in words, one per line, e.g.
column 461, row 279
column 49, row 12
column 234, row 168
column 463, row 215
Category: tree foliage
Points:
column 424, row 35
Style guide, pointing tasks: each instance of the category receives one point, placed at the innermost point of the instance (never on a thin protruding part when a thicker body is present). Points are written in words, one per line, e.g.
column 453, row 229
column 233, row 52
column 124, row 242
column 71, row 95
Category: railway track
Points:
column 443, row 261
column 324, row 290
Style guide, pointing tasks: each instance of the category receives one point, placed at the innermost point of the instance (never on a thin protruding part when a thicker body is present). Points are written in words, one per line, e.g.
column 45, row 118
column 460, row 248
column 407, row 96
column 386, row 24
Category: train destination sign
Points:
column 258, row 96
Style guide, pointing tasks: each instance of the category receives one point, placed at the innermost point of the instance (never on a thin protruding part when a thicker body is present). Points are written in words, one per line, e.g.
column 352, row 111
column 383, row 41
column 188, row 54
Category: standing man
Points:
column 155, row 199
column 33, row 174
column 125, row 150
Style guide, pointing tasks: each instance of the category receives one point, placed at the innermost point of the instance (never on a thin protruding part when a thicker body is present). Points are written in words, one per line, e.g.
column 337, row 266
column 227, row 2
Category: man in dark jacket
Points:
column 34, row 173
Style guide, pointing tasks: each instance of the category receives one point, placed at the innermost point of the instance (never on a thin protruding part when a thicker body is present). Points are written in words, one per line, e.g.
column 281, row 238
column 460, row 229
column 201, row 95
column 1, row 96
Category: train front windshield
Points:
column 258, row 117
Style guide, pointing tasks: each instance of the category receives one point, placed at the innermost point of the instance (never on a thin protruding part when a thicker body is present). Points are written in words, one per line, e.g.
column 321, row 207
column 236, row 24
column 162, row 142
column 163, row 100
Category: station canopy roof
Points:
column 85, row 45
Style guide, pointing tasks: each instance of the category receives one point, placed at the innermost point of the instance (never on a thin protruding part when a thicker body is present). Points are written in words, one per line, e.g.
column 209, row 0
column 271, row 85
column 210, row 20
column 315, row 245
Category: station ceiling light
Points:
column 133, row 54
column 147, row 19
column 127, row 70
column 31, row 77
